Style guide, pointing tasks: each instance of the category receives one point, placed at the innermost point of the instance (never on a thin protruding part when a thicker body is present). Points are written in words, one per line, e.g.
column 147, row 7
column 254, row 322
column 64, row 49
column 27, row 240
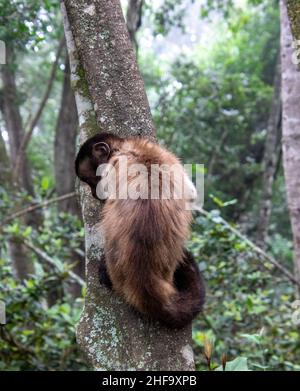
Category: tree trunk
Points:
column 13, row 122
column 134, row 19
column 291, row 129
column 271, row 156
column 64, row 157
column 65, row 146
column 5, row 169
column 106, row 79
column 14, row 127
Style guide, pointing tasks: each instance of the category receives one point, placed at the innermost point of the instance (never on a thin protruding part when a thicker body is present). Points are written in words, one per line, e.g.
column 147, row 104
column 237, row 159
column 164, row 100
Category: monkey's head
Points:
column 95, row 151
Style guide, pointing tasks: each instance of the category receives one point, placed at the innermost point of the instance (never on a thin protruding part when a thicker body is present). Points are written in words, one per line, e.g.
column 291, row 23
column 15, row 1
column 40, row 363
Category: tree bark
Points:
column 271, row 156
column 106, row 79
column 291, row 129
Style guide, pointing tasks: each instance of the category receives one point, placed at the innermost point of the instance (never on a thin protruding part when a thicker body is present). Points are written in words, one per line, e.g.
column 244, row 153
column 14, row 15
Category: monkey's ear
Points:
column 101, row 151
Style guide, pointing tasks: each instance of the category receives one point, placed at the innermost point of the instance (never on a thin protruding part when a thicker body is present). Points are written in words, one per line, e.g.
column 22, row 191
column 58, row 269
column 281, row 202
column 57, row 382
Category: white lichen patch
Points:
column 95, row 236
column 188, row 355
column 90, row 10
column 104, row 75
column 108, row 94
column 84, row 108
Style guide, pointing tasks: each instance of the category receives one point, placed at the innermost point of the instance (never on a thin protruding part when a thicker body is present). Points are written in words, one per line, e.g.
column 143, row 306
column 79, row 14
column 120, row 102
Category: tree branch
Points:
column 10, row 339
column 38, row 206
column 253, row 246
column 49, row 260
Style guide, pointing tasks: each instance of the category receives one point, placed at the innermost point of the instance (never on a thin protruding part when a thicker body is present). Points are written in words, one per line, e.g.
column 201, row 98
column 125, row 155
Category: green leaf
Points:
column 255, row 338
column 217, row 200
column 27, row 232
column 30, row 284
column 45, row 182
column 27, row 332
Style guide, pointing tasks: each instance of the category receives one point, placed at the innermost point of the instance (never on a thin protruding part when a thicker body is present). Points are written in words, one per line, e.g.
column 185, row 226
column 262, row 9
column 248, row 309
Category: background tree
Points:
column 65, row 145
column 64, row 157
column 271, row 159
column 291, row 129
column 134, row 19
column 13, row 122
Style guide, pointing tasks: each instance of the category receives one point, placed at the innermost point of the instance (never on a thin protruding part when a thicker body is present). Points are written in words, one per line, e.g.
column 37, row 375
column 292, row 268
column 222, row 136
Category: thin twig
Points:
column 38, row 206
column 36, row 117
column 79, row 252
column 254, row 247
column 9, row 338
column 49, row 260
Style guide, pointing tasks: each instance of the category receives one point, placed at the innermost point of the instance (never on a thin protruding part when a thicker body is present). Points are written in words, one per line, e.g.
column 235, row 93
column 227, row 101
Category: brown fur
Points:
column 144, row 238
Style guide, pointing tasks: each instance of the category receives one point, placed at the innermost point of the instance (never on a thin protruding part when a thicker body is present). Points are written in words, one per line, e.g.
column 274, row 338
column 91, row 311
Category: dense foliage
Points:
column 248, row 310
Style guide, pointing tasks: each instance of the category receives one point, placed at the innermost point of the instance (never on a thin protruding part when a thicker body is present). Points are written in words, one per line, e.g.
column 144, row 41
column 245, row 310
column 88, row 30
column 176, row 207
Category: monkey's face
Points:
column 87, row 174
column 87, row 165
column 93, row 153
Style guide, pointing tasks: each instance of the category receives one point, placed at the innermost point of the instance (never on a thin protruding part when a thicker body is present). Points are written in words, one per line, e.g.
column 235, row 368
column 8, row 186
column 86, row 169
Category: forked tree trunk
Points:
column 13, row 120
column 13, row 123
column 110, row 96
column 291, row 129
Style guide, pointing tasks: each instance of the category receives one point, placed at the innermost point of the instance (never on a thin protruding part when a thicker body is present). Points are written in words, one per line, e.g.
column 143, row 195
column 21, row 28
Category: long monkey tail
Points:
column 184, row 303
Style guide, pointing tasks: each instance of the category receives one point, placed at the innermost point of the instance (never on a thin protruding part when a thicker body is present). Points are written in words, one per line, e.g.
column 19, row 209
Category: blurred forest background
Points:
column 212, row 74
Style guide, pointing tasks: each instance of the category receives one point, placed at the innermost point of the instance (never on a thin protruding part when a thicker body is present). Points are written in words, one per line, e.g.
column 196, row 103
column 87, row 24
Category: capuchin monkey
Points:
column 146, row 262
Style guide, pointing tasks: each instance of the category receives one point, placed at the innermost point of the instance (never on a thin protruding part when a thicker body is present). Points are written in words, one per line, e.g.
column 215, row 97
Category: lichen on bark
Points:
column 294, row 16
